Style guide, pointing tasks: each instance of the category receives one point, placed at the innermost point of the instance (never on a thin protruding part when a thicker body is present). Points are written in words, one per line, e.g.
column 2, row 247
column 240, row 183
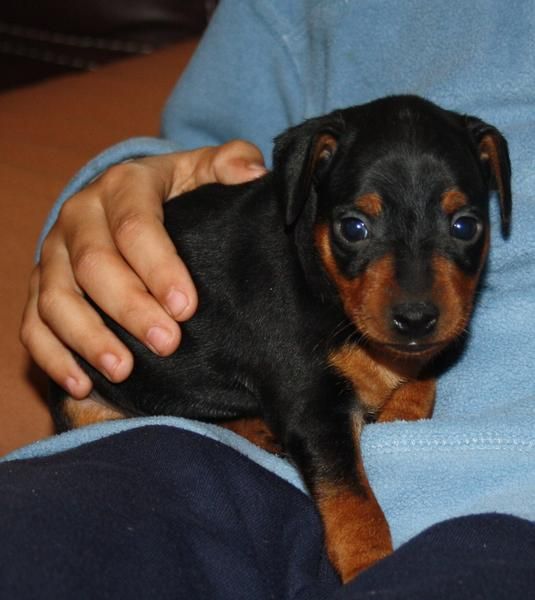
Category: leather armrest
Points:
column 52, row 37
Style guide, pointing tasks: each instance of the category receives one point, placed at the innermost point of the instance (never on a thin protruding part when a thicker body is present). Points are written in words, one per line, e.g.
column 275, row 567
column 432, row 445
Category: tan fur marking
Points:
column 89, row 411
column 489, row 151
column 371, row 307
column 322, row 240
column 453, row 200
column 412, row 401
column 374, row 382
column 454, row 293
column 356, row 531
column 256, row 431
column 365, row 298
column 370, row 204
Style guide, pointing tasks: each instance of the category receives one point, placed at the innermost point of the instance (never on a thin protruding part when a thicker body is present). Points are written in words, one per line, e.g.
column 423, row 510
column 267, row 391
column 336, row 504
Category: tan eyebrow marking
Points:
column 370, row 204
column 452, row 200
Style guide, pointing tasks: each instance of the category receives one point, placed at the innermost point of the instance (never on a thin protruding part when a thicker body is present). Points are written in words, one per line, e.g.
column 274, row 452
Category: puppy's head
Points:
column 391, row 199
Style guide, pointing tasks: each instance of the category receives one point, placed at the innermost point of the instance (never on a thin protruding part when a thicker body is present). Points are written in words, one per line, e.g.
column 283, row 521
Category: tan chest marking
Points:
column 373, row 381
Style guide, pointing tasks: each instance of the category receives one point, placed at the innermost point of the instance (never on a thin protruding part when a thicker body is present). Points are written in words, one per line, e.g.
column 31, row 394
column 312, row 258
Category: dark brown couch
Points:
column 48, row 131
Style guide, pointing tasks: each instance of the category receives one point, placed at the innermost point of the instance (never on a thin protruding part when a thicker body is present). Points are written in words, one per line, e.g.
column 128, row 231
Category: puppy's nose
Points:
column 414, row 319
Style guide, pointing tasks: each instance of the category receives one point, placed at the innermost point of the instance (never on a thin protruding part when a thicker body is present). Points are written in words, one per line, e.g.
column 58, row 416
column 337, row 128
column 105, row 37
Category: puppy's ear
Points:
column 301, row 157
column 493, row 151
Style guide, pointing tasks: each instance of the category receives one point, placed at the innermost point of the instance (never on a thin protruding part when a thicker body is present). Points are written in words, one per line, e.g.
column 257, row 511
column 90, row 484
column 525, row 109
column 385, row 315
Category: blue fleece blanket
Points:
column 305, row 57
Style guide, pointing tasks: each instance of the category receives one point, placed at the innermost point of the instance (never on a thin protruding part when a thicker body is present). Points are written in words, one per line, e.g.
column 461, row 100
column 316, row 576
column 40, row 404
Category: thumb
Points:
column 238, row 161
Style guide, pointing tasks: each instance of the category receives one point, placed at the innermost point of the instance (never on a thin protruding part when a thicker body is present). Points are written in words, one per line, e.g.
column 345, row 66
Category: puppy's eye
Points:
column 465, row 228
column 354, row 229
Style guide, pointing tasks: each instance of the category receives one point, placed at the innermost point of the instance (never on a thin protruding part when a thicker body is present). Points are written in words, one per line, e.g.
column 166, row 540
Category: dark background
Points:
column 51, row 37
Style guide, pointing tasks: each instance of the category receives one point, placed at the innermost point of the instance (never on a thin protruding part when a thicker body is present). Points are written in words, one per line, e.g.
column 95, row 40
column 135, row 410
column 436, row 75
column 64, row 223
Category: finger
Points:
column 47, row 351
column 234, row 162
column 102, row 272
column 137, row 230
column 238, row 161
column 135, row 215
column 75, row 323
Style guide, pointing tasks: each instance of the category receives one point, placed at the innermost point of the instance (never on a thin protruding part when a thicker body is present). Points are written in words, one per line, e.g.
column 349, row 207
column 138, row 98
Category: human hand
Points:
column 109, row 242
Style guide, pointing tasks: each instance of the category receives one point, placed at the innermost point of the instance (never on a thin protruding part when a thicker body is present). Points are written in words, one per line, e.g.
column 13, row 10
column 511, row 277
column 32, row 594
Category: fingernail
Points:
column 176, row 303
column 158, row 339
column 73, row 386
column 109, row 362
column 257, row 169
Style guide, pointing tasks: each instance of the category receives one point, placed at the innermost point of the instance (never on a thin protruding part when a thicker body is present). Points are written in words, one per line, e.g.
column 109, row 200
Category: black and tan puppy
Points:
column 326, row 288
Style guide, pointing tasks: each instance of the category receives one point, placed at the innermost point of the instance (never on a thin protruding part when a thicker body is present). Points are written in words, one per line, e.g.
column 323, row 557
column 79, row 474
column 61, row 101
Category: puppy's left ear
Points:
column 494, row 151
column 301, row 158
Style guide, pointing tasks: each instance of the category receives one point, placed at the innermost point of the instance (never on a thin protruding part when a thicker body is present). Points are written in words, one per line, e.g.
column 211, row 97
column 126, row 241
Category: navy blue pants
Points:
column 162, row 513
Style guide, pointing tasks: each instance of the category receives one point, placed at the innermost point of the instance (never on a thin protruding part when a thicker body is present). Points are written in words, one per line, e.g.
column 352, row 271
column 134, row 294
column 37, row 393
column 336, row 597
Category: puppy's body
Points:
column 258, row 331
column 325, row 289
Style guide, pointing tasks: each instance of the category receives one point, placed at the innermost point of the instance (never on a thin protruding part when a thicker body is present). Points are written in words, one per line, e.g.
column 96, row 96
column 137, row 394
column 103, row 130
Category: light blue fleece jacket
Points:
column 266, row 64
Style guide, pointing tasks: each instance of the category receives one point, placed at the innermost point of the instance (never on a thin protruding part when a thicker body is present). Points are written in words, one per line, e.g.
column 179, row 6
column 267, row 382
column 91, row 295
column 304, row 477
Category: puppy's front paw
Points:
column 356, row 532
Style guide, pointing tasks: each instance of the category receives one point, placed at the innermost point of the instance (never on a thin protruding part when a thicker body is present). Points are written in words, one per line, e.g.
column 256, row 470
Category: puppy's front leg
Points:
column 356, row 531
column 413, row 400
column 355, row 528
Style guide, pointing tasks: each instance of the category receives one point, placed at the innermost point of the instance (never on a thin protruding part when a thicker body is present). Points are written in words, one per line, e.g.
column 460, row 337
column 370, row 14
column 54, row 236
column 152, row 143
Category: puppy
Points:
column 328, row 289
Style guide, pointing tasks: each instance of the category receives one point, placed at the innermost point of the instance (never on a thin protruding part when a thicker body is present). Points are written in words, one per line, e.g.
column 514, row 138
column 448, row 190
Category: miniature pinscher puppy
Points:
column 328, row 289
